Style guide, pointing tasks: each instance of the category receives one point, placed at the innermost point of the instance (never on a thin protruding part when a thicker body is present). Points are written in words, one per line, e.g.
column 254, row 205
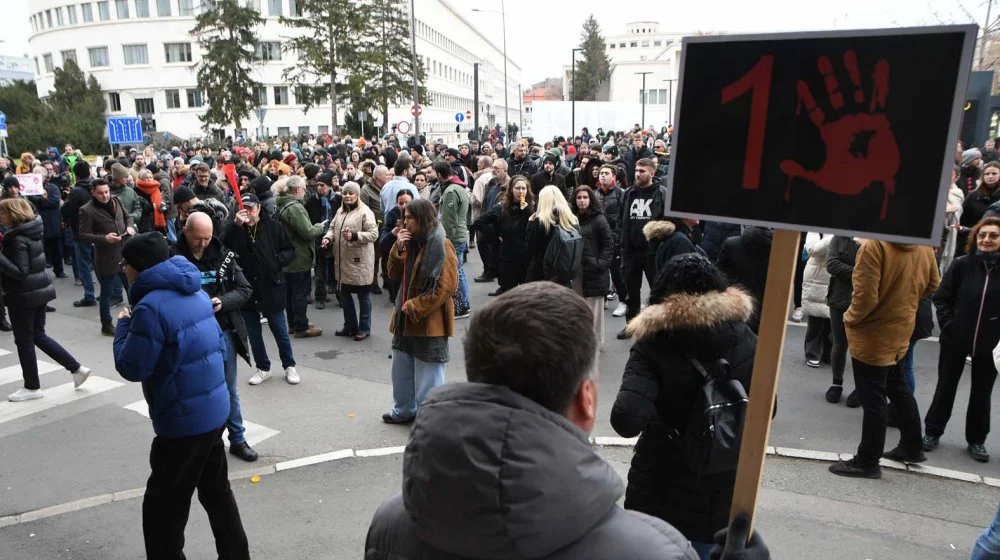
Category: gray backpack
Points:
column 564, row 255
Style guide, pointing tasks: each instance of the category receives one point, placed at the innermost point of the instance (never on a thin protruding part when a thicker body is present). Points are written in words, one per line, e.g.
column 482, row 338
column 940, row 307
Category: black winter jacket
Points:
column 840, row 264
column 542, row 179
column 975, row 206
column 612, row 202
column 631, row 157
column 968, row 306
column 655, row 399
column 78, row 196
column 524, row 167
column 263, row 253
column 598, row 252
column 657, row 208
column 744, row 261
column 385, row 236
column 26, row 284
column 716, row 233
column 671, row 239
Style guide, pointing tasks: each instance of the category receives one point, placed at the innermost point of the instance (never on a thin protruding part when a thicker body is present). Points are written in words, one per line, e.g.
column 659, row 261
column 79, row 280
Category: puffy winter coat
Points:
column 490, row 474
column 631, row 157
column 671, row 239
column 716, row 233
column 968, row 306
column 354, row 260
column 291, row 213
column 174, row 346
column 598, row 252
column 611, row 202
column 815, row 278
column 48, row 209
column 840, row 256
column 744, row 261
column 26, row 284
column 656, row 395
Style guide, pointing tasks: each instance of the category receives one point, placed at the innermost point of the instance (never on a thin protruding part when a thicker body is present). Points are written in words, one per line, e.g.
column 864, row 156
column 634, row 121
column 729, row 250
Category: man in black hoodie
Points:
column 83, row 255
column 548, row 176
column 639, row 151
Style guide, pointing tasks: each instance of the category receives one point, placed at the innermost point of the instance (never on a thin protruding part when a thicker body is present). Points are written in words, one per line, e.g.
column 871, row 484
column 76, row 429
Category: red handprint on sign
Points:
column 860, row 147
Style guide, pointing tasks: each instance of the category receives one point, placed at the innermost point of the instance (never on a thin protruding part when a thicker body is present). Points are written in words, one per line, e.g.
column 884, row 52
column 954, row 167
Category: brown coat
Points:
column 95, row 224
column 889, row 281
column 428, row 315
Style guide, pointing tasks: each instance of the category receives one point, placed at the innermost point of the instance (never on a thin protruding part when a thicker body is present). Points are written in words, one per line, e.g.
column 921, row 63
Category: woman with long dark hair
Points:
column 507, row 222
column 598, row 246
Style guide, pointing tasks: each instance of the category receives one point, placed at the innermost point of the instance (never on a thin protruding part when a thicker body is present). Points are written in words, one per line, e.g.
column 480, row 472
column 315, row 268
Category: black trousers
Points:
column 634, row 266
column 29, row 333
column 838, row 354
column 817, row 341
column 322, row 265
column 874, row 384
column 951, row 363
column 511, row 272
column 489, row 253
column 297, row 300
column 180, row 465
column 617, row 280
column 53, row 247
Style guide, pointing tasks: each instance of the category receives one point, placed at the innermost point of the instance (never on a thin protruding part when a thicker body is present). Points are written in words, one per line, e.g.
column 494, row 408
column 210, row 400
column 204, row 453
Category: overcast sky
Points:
column 541, row 33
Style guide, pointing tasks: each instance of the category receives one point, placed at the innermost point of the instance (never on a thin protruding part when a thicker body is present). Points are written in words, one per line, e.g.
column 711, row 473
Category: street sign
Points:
column 416, row 110
column 459, row 117
column 468, row 115
column 125, row 130
column 362, row 115
column 30, row 184
column 403, row 127
column 3, row 125
column 261, row 113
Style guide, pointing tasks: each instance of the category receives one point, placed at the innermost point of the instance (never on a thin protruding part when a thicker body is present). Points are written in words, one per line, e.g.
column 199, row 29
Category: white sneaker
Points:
column 259, row 377
column 263, row 320
column 620, row 310
column 80, row 376
column 292, row 376
column 23, row 394
column 797, row 315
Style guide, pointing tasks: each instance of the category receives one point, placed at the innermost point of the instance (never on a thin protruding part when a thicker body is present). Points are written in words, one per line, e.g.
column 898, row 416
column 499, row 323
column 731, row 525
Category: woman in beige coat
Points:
column 352, row 235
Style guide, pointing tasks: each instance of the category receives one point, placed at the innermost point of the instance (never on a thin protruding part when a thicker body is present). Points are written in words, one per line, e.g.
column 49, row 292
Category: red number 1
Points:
column 757, row 79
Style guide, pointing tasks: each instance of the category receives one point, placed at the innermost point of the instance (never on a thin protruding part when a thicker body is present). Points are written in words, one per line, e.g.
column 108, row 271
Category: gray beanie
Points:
column 350, row 187
column 970, row 155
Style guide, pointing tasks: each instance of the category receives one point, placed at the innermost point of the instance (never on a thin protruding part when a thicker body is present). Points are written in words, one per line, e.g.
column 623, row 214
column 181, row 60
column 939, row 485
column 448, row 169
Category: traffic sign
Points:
column 125, row 130
column 459, row 117
column 261, row 112
column 403, row 127
column 362, row 115
column 416, row 110
column 468, row 115
column 3, row 125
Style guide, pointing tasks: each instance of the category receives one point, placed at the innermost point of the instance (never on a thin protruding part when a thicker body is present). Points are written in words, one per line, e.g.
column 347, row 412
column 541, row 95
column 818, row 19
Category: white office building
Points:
column 144, row 57
column 14, row 68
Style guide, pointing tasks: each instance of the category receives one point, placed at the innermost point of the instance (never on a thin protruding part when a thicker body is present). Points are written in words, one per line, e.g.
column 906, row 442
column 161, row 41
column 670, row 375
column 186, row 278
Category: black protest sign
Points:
column 845, row 132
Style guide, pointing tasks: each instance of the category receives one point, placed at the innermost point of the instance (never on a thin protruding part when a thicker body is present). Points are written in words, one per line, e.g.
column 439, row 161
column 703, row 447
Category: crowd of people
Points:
column 248, row 236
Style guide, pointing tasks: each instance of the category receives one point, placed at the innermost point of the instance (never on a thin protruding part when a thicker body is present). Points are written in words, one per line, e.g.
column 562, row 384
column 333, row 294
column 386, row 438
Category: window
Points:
column 142, row 8
column 121, row 8
column 645, row 44
column 88, row 12
column 103, row 11
column 173, row 99
column 611, row 46
column 274, row 7
column 324, row 129
column 114, row 101
column 280, row 95
column 185, row 7
column 300, row 94
column 59, row 17
column 163, row 8
column 304, row 130
column 260, row 95
column 71, row 14
column 254, row 4
column 48, row 18
column 135, row 54
column 144, row 106
column 621, row 45
column 98, row 57
column 657, row 43
column 194, row 98
column 293, row 8
column 177, row 52
column 268, row 51
column 68, row 55
column 633, row 44
column 284, row 131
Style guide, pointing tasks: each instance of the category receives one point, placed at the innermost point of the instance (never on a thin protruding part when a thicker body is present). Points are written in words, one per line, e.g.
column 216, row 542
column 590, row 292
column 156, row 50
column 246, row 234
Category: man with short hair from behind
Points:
column 507, row 482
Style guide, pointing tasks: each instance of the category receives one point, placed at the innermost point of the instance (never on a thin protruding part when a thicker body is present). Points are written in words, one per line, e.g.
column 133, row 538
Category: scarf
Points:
column 152, row 190
column 108, row 207
column 426, row 277
column 990, row 259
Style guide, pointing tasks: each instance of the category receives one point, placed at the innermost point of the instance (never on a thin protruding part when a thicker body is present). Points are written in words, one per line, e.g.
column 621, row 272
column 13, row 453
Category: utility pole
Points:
column 416, row 67
column 642, row 123
column 670, row 101
column 520, row 112
column 506, row 84
column 572, row 94
column 475, row 97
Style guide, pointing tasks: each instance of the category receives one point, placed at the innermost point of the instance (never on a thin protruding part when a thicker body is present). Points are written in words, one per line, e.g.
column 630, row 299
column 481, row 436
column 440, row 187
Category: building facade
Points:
column 14, row 68
column 145, row 58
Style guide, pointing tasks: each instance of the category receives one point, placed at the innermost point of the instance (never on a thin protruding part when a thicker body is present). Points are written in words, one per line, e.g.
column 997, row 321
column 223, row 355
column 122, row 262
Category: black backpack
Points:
column 564, row 255
column 711, row 443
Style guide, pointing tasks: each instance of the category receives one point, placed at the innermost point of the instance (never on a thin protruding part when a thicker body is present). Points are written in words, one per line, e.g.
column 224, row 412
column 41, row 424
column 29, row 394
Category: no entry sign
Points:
column 846, row 132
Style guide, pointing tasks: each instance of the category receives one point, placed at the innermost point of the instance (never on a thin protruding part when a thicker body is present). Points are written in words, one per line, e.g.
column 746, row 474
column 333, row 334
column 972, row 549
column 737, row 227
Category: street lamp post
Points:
column 642, row 123
column 416, row 88
column 670, row 100
column 503, row 17
column 572, row 93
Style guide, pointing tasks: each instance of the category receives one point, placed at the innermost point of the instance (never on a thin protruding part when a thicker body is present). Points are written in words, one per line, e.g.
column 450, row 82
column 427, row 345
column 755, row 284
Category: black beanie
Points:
column 182, row 195
column 689, row 273
column 11, row 181
column 261, row 186
column 275, row 155
column 311, row 170
column 81, row 169
column 325, row 177
column 146, row 250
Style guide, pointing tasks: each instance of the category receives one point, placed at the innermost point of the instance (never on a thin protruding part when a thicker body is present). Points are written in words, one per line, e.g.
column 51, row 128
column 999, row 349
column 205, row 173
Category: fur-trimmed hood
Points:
column 658, row 229
column 692, row 311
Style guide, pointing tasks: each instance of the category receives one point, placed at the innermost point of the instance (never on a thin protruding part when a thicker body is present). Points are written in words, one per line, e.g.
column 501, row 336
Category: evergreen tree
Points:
column 330, row 42
column 594, row 68
column 227, row 35
column 384, row 74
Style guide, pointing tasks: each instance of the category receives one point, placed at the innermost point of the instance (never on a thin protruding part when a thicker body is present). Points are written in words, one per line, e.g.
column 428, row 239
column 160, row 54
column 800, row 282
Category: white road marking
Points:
column 255, row 433
column 11, row 374
column 56, row 396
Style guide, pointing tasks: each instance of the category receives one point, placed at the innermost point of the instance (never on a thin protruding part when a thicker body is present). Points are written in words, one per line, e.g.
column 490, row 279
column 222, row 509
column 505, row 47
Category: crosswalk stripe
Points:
column 13, row 373
column 4, row 352
column 56, row 396
column 255, row 433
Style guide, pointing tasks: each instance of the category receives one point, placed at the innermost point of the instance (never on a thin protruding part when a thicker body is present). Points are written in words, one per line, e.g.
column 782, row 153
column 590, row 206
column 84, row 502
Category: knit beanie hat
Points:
column 81, row 169
column 688, row 273
column 275, row 155
column 970, row 155
column 261, row 186
column 183, row 194
column 325, row 178
column 312, row 170
column 118, row 171
column 351, row 187
column 146, row 250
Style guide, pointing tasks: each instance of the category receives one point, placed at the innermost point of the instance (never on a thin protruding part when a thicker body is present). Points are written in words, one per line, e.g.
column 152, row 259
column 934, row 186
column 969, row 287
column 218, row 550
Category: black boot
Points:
column 4, row 323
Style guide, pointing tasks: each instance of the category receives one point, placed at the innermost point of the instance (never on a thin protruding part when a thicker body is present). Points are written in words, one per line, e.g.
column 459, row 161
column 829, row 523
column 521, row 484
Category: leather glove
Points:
column 731, row 543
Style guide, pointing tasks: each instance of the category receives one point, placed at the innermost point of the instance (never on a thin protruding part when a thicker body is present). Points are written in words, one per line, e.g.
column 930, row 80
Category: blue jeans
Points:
column 907, row 366
column 462, row 293
column 412, row 379
column 171, row 231
column 234, row 424
column 987, row 546
column 110, row 286
column 279, row 328
column 83, row 267
column 353, row 323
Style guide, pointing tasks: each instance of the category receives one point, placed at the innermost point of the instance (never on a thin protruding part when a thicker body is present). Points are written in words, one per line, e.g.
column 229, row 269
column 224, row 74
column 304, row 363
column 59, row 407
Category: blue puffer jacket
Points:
column 174, row 346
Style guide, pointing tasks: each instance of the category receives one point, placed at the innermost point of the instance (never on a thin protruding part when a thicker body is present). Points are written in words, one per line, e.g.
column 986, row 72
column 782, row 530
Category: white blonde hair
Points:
column 280, row 186
column 552, row 205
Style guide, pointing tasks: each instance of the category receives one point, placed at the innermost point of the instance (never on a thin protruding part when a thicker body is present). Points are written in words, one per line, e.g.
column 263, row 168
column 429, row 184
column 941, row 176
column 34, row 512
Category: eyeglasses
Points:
column 988, row 235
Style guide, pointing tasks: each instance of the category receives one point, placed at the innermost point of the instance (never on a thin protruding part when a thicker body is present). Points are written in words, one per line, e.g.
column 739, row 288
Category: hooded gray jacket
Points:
column 490, row 474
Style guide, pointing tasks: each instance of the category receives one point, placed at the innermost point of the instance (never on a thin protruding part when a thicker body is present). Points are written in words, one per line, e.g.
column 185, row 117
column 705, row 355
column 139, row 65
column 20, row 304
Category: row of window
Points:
column 442, row 40
column 127, row 9
column 634, row 44
column 655, row 96
column 133, row 55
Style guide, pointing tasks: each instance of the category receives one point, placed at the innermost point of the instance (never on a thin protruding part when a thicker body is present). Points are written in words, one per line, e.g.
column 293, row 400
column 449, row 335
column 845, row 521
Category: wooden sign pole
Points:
column 766, row 367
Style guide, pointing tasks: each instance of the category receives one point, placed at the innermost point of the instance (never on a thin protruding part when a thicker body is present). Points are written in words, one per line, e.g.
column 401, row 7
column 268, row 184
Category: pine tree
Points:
column 329, row 43
column 384, row 74
column 227, row 35
column 78, row 104
column 595, row 67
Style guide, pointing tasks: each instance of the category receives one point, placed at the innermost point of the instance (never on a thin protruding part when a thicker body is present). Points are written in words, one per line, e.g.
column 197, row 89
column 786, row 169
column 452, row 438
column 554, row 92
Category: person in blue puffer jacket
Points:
column 171, row 342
